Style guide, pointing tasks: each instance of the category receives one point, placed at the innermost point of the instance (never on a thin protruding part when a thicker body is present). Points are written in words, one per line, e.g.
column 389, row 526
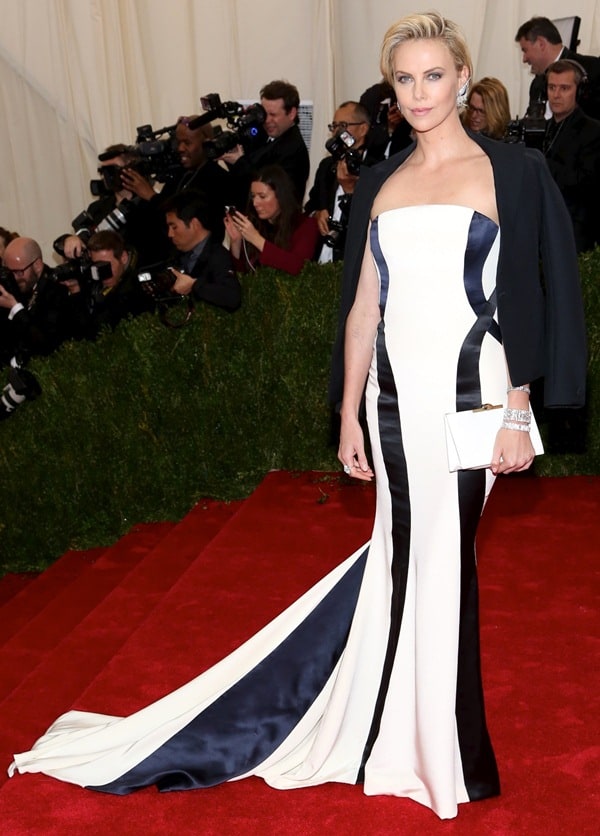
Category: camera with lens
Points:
column 83, row 270
column 336, row 237
column 21, row 386
column 159, row 284
column 340, row 148
column 155, row 153
column 8, row 282
column 174, row 310
column 245, row 124
column 115, row 220
column 530, row 130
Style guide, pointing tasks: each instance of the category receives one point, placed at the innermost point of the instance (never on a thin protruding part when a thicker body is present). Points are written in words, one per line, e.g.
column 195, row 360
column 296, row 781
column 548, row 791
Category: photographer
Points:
column 119, row 295
column 203, row 267
column 119, row 208
column 337, row 175
column 196, row 172
column 282, row 144
column 37, row 312
column 274, row 233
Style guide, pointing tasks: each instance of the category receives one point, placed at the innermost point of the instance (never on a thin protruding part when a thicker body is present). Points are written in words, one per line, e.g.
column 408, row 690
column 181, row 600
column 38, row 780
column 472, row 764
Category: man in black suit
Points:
column 283, row 144
column 572, row 151
column 541, row 45
column 37, row 314
column 336, row 178
column 118, row 208
column 196, row 172
column 203, row 268
column 119, row 295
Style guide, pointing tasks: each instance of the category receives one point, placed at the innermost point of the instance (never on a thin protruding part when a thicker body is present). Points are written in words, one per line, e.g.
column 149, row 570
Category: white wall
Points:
column 78, row 75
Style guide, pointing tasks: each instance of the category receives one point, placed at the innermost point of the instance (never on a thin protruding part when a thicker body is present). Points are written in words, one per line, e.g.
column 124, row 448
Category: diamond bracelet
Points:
column 510, row 425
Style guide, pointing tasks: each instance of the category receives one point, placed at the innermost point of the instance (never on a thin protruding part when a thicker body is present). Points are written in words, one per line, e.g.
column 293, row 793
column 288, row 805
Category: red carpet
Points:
column 121, row 628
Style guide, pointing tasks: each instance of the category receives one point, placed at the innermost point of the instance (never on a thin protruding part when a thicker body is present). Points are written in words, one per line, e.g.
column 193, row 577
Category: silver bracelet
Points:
column 525, row 389
column 510, row 425
column 523, row 415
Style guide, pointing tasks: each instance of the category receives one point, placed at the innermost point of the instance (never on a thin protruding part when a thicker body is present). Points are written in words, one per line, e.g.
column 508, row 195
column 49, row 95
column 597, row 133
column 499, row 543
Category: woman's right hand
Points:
column 351, row 451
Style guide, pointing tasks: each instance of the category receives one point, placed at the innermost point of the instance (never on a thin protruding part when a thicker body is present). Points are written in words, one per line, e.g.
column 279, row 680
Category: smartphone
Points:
column 231, row 210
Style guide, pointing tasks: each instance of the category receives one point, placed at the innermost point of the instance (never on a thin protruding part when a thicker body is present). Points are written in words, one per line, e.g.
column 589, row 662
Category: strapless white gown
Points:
column 372, row 676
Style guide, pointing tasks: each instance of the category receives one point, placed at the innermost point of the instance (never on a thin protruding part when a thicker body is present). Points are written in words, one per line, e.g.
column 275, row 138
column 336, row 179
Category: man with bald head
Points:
column 330, row 196
column 36, row 313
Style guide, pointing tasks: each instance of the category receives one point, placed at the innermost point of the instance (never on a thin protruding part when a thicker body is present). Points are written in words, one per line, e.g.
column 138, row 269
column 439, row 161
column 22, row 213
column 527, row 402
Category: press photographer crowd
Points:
column 185, row 208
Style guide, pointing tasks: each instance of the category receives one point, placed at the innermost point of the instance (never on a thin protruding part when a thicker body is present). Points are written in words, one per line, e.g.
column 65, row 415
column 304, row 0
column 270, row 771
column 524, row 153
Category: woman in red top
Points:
column 274, row 233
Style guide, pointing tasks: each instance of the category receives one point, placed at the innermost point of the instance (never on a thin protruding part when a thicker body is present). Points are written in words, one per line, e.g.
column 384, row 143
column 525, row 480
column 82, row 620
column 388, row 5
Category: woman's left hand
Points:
column 513, row 452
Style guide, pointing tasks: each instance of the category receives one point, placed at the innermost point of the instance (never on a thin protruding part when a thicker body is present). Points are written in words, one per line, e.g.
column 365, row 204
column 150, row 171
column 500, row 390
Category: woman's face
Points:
column 476, row 113
column 426, row 82
column 264, row 201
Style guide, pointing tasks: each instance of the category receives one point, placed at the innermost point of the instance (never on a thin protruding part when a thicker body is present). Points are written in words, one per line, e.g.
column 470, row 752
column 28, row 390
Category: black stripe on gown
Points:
column 477, row 756
column 247, row 723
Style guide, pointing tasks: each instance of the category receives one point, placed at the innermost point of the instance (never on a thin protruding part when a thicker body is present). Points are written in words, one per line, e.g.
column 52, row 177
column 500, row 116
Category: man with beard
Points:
column 39, row 315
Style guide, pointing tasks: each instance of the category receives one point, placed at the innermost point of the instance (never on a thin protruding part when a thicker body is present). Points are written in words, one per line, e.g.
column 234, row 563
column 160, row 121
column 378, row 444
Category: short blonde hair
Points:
column 420, row 26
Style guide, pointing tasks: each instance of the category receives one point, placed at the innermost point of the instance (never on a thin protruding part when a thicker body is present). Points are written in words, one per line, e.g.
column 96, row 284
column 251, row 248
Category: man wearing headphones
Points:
column 572, row 149
column 541, row 45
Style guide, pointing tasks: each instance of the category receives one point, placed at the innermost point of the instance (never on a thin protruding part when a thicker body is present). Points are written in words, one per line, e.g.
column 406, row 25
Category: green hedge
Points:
column 141, row 424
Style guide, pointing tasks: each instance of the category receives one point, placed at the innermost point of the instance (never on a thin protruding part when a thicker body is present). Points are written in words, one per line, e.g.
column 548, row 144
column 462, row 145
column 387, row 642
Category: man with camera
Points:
column 197, row 171
column 282, row 145
column 337, row 175
column 119, row 208
column 37, row 312
column 111, row 290
column 572, row 151
column 203, row 267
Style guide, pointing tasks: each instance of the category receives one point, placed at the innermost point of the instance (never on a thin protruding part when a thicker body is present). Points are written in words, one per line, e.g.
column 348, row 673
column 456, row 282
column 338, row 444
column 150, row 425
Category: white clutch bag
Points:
column 470, row 436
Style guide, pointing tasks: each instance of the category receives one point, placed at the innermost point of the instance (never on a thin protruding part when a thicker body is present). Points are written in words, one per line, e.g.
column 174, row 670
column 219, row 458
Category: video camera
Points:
column 340, row 148
column 154, row 155
column 245, row 124
column 530, row 130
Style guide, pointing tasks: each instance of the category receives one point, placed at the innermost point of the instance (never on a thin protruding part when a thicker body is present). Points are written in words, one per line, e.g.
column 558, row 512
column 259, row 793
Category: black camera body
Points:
column 530, row 130
column 9, row 283
column 83, row 270
column 340, row 148
column 115, row 220
column 155, row 153
column 336, row 237
column 158, row 284
column 245, row 125
column 21, row 386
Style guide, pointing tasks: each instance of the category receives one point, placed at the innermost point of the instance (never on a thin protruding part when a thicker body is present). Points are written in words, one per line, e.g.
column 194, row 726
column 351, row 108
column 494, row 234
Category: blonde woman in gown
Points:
column 373, row 677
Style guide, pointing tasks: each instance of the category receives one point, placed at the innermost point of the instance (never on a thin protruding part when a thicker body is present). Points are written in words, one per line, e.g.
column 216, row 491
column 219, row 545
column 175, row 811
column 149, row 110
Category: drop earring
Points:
column 461, row 96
